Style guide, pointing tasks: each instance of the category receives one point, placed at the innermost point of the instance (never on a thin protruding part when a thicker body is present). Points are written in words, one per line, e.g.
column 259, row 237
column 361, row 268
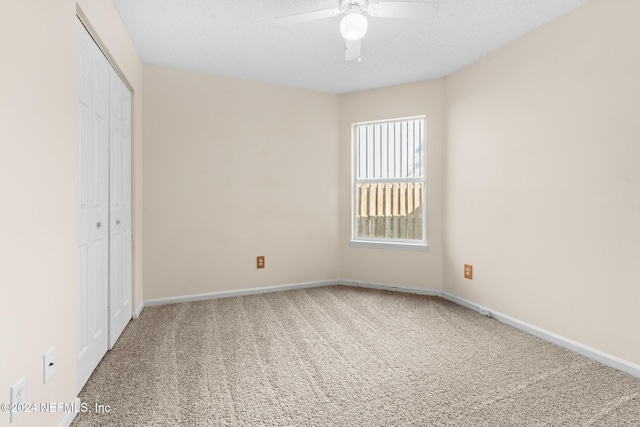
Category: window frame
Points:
column 384, row 242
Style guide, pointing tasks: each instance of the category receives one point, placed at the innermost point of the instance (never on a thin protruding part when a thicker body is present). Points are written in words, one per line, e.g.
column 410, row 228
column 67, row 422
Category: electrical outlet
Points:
column 18, row 397
column 260, row 262
column 468, row 271
column 48, row 364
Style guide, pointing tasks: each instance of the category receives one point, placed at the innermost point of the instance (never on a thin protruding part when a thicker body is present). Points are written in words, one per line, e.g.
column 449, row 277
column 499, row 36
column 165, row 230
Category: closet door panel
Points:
column 92, row 204
column 120, row 305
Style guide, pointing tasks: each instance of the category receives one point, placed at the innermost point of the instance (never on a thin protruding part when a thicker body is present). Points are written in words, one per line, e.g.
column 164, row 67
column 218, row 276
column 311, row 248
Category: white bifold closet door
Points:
column 103, row 204
column 119, row 208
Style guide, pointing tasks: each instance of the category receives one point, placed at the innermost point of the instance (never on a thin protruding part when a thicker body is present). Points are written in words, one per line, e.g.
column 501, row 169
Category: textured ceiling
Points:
column 240, row 39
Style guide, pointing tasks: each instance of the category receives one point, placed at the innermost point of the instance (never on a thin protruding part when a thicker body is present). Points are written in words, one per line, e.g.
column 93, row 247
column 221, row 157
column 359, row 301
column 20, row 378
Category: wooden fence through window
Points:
column 391, row 211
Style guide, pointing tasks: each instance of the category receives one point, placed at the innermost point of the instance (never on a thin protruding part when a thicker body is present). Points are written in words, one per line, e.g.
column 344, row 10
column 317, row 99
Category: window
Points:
column 389, row 183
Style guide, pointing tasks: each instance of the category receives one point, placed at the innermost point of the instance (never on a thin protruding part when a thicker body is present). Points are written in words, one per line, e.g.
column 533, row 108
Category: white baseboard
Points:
column 70, row 416
column 599, row 356
column 390, row 287
column 584, row 350
column 138, row 310
column 227, row 294
column 591, row 353
column 470, row 305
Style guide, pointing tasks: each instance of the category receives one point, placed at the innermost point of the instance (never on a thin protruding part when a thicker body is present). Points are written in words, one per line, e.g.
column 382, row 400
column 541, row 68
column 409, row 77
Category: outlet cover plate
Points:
column 48, row 364
column 18, row 397
column 468, row 271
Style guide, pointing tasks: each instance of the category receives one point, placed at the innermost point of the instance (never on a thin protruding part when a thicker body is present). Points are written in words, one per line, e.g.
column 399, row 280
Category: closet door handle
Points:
column 117, row 222
column 99, row 225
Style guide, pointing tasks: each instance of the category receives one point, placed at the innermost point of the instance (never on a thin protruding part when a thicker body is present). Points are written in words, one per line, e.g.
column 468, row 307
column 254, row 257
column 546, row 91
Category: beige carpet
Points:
column 339, row 356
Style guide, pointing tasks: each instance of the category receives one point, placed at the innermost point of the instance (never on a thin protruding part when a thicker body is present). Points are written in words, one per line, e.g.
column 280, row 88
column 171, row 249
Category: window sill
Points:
column 376, row 244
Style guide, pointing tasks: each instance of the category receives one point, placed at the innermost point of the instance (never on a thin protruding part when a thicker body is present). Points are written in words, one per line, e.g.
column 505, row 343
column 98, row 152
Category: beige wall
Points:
column 37, row 202
column 236, row 169
column 407, row 268
column 543, row 178
column 38, row 194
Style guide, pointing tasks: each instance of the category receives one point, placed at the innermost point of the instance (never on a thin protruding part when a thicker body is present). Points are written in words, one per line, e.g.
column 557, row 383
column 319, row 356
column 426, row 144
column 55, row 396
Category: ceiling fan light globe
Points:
column 353, row 26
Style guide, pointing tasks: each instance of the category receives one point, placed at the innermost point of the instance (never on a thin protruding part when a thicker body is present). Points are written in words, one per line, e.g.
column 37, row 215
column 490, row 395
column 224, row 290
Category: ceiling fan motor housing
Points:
column 353, row 6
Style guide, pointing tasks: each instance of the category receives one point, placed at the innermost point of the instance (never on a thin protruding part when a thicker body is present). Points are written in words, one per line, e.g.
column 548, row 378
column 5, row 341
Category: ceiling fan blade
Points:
column 404, row 9
column 307, row 16
column 353, row 50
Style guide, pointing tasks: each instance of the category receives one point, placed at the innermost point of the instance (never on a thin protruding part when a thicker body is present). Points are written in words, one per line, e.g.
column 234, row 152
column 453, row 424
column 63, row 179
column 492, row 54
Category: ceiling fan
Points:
column 353, row 25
